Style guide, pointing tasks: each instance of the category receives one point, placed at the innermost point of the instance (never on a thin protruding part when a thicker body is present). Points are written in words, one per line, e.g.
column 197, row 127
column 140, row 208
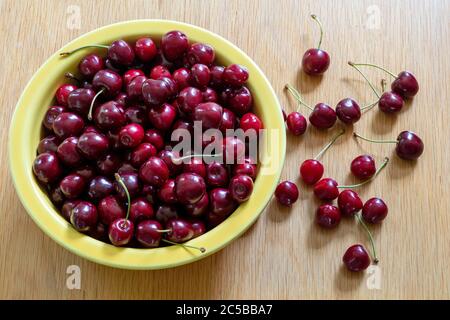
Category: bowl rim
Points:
column 49, row 220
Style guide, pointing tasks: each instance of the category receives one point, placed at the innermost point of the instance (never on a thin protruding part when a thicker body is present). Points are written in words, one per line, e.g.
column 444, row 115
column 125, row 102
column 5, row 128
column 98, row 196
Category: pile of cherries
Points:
column 408, row 146
column 106, row 156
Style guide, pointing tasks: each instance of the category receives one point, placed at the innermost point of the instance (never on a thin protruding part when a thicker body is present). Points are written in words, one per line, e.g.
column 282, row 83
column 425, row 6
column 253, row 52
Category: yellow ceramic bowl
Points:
column 38, row 95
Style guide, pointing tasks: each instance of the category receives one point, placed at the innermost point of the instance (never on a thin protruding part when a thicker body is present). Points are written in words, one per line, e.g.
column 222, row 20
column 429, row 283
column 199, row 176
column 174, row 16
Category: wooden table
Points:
column 284, row 255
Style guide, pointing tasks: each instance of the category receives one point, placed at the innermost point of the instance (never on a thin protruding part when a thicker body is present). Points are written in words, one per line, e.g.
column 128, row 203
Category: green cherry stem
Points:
column 329, row 144
column 369, row 106
column 372, row 140
column 294, row 92
column 92, row 104
column 124, row 187
column 378, row 67
column 364, row 76
column 68, row 53
column 201, row 249
column 316, row 19
column 383, row 165
column 372, row 243
column 70, row 75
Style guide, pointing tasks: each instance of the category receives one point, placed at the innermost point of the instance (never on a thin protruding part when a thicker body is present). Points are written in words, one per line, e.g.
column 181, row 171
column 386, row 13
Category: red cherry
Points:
column 195, row 165
column 155, row 138
column 166, row 192
column 142, row 153
column 210, row 115
column 148, row 233
column 182, row 78
column 363, row 167
column 199, row 208
column 316, row 61
column 67, row 152
column 162, row 117
column 286, row 193
column 326, row 189
column 72, row 186
column 180, row 230
column 68, row 124
column 134, row 88
column 131, row 135
column 109, row 116
column 62, row 93
column 356, row 258
column 216, row 174
column 83, row 216
column 80, row 100
column 130, row 75
column 349, row 203
column 189, row 188
column 50, row 116
column 200, row 75
column 241, row 187
column 405, row 84
column 250, row 121
column 174, row 45
column 48, row 144
column 328, row 216
column 140, row 210
column 235, row 75
column 145, row 49
column 188, row 99
column 210, row 95
column 121, row 232
column 221, row 202
column 348, row 111
column 311, row 171
column 110, row 209
column 374, row 210
column 159, row 71
column 46, row 167
column 200, row 53
column 390, row 102
column 217, row 76
column 156, row 92
column 108, row 164
column 296, row 123
column 100, row 187
column 248, row 167
column 154, row 172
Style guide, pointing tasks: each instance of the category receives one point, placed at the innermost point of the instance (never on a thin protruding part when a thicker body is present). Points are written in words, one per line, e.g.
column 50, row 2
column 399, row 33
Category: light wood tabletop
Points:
column 284, row 255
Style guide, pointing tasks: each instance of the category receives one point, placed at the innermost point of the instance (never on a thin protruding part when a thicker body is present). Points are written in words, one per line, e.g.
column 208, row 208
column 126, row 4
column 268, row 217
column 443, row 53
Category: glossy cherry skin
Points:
column 166, row 212
column 130, row 75
column 221, row 202
column 348, row 111
column 142, row 153
column 48, row 144
column 199, row 208
column 356, row 258
column 174, row 45
column 83, row 216
column 216, row 174
column 311, row 171
column 109, row 116
column 390, row 102
column 50, row 116
column 162, row 117
column 200, row 75
column 235, row 75
column 109, row 80
column 250, row 121
column 120, row 232
column 145, row 49
column 87, row 172
column 132, row 183
column 240, row 100
column 156, row 92
column 409, row 145
column 148, row 234
column 90, row 65
column 68, row 124
column 248, row 168
column 363, row 167
column 328, row 216
column 180, row 230
column 241, row 188
column 296, row 123
column 154, row 172
column 182, row 78
column 210, row 95
column 349, row 203
column 326, row 189
column 155, row 138
column 228, row 120
column 100, row 187
column 210, row 114
column 159, row 71
column 141, row 209
column 72, row 186
column 199, row 228
column 137, row 114
column 188, row 99
column 166, row 193
column 66, row 209
column 134, row 88
column 233, row 150
column 405, row 85
column 315, row 62
column 322, row 116
column 374, row 210
column 67, row 152
column 286, row 193
column 217, row 76
column 47, row 168
column 121, row 52
column 195, row 165
column 92, row 145
column 62, row 93
column 108, row 164
column 79, row 100
column 110, row 209
column 170, row 158
column 200, row 53
column 189, row 188
column 131, row 135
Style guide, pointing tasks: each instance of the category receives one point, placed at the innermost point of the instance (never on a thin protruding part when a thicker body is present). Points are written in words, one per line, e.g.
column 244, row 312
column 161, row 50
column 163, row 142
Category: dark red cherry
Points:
column 199, row 208
column 200, row 53
column 180, row 230
column 108, row 164
column 48, row 144
column 100, row 187
column 109, row 116
column 240, row 101
column 210, row 115
column 216, row 174
column 87, row 172
column 405, row 85
column 148, row 233
column 165, row 213
column 121, row 52
column 72, row 186
column 67, row 152
column 348, row 111
column 132, row 183
column 200, row 75
column 374, row 210
column 356, row 258
column 155, row 138
column 130, row 75
column 156, row 92
column 83, row 216
column 68, row 124
column 409, row 145
column 199, row 228
column 166, row 192
column 235, row 75
column 145, row 49
column 189, row 188
column 328, row 216
column 174, row 45
column 188, row 99
column 137, row 114
column 296, row 123
column 228, row 120
column 210, row 95
column 170, row 158
column 121, row 232
column 349, row 203
column 315, row 62
column 182, row 78
column 79, row 100
column 131, row 135
column 248, row 167
column 108, row 80
column 90, row 65
column 363, row 167
column 217, row 76
column 221, row 202
column 134, row 88
column 50, row 116
column 142, row 153
column 159, row 72
column 322, row 116
column 141, row 209
column 195, row 165
column 162, row 117
column 241, row 188
column 154, row 171
column 250, row 121
column 390, row 102
column 286, row 193
column 326, row 189
column 110, row 209
column 66, row 209
column 47, row 168
column 62, row 93
column 233, row 150
column 311, row 171
column 92, row 145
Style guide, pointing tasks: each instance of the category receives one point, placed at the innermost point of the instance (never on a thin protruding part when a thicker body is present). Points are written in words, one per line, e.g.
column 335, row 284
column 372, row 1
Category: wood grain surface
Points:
column 284, row 255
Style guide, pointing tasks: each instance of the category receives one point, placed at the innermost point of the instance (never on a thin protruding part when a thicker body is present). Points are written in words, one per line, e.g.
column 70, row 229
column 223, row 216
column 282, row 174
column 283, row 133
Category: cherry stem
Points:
column 180, row 159
column 372, row 140
column 329, row 144
column 201, row 249
column 68, row 53
column 70, row 75
column 294, row 92
column 372, row 243
column 316, row 19
column 378, row 67
column 164, row 230
column 364, row 76
column 383, row 85
column 369, row 106
column 384, row 164
column 124, row 187
column 92, row 104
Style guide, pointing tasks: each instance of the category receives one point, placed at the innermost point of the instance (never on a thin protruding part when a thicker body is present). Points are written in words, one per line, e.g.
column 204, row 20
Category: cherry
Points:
column 311, row 170
column 374, row 210
column 130, row 75
column 155, row 138
column 156, row 92
column 235, row 75
column 137, row 114
column 56, row 196
column 167, row 192
column 100, row 187
column 108, row 164
column 154, row 172
column 328, row 216
column 221, row 202
column 248, row 167
column 83, row 216
column 296, row 123
column 348, row 111
column 145, row 49
column 68, row 124
column 250, row 121
column 316, row 61
column 210, row 114
column 200, row 75
column 131, row 181
column 210, row 95
column 195, row 165
column 110, row 209
column 198, row 227
column 213, row 220
column 79, row 100
column 199, row 208
column 356, row 258
column 148, row 233
column 172, row 161
column 326, row 189
column 216, row 174
column 87, row 172
column 189, row 188
column 200, row 53
column 228, row 120
column 166, row 212
column 241, row 187
column 240, row 100
column 99, row 232
column 286, row 193
column 182, row 78
column 62, row 93
column 131, row 135
column 66, row 209
column 107, row 81
column 142, row 153
column 109, row 116
column 72, row 186
column 46, row 167
column 174, row 45
column 408, row 145
column 159, row 72
column 217, row 76
column 50, row 116
column 188, row 99
column 233, row 150
column 141, row 209
column 92, row 145
column 90, row 65
column 134, row 88
column 48, row 144
column 349, row 203
column 363, row 167
column 67, row 152
column 180, row 230
column 162, row 117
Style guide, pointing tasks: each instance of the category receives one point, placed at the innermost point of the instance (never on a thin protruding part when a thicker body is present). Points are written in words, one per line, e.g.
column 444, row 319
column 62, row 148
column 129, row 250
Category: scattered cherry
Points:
column 349, row 203
column 286, row 193
column 363, row 167
column 316, row 61
column 374, row 210
column 356, row 258
column 328, row 216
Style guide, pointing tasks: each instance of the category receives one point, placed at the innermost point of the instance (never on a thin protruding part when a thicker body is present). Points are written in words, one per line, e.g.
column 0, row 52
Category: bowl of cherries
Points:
column 147, row 144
